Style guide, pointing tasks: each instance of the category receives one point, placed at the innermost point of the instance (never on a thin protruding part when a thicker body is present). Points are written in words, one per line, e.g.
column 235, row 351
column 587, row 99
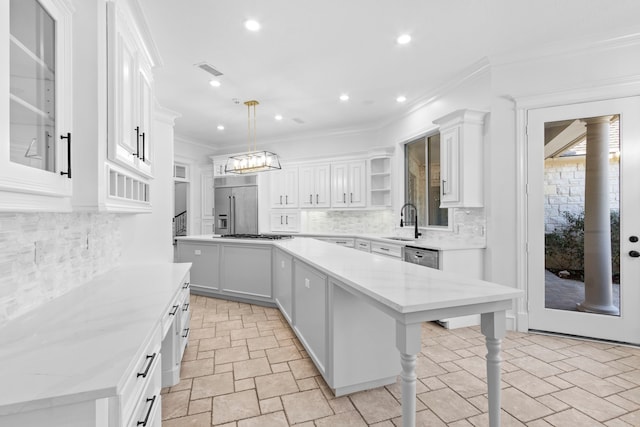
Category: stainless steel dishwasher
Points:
column 421, row 256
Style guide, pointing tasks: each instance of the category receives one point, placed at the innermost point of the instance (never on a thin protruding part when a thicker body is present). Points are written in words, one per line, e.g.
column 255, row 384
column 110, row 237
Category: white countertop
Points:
column 79, row 346
column 420, row 243
column 401, row 286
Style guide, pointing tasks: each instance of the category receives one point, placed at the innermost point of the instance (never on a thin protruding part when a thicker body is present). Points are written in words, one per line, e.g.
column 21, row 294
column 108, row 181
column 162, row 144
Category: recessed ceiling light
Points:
column 252, row 25
column 278, row 117
column 220, row 127
column 344, row 97
column 401, row 98
column 403, row 39
column 214, row 83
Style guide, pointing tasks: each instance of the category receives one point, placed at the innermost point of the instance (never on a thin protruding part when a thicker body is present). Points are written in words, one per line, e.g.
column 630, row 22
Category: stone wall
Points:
column 45, row 255
column 564, row 188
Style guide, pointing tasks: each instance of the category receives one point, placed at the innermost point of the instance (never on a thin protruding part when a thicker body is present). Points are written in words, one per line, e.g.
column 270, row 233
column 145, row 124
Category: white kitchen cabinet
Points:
column 348, row 184
column 175, row 329
column 315, row 186
column 208, row 226
column 245, row 271
column 461, row 154
column 380, row 182
column 36, row 118
column 284, row 188
column 310, row 311
column 130, row 84
column 219, row 167
column 348, row 242
column 288, row 222
column 386, row 249
column 206, row 198
column 282, row 282
column 363, row 245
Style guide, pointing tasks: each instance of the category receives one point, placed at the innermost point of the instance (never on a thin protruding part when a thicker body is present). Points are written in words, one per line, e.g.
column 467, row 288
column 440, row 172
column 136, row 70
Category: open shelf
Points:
column 380, row 182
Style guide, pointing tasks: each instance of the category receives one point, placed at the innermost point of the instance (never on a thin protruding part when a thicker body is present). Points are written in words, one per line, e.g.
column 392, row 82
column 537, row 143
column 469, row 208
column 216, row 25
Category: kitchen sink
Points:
column 402, row 239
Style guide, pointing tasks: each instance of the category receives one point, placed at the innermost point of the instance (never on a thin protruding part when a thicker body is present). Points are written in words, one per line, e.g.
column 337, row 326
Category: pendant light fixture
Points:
column 252, row 161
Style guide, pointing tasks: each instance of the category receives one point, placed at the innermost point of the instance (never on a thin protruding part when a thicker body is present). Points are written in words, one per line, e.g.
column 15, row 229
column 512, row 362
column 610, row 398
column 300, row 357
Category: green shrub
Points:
column 564, row 248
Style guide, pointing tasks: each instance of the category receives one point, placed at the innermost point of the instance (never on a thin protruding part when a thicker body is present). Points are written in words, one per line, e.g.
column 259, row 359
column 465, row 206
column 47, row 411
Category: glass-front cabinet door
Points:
column 35, row 123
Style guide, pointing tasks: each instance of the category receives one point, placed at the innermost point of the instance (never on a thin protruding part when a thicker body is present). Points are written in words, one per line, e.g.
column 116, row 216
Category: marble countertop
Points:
column 79, row 346
column 420, row 243
column 401, row 286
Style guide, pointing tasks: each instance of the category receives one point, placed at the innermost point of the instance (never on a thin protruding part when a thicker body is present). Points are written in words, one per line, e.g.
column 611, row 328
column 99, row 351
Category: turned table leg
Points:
column 493, row 328
column 408, row 342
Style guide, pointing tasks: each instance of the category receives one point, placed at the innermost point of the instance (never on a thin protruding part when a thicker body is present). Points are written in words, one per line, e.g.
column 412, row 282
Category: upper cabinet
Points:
column 36, row 123
column 348, row 184
column 315, row 184
column 461, row 154
column 130, row 83
column 284, row 188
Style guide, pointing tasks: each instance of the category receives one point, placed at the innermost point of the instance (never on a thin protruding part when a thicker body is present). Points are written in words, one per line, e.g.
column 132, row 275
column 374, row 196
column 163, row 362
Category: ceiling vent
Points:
column 298, row 120
column 208, row 68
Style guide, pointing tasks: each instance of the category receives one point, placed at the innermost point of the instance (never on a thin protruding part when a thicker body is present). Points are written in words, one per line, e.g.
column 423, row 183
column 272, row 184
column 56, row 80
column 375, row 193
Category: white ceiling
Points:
column 308, row 52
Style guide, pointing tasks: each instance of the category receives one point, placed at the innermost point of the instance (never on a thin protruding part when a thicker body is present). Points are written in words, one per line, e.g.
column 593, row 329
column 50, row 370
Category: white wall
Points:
column 148, row 237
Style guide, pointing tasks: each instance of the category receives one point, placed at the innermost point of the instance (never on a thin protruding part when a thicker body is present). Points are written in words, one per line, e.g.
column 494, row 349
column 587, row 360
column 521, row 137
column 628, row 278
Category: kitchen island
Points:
column 324, row 292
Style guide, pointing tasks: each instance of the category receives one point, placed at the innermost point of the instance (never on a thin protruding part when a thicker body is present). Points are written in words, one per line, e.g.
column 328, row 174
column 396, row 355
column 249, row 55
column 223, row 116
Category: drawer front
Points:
column 147, row 407
column 363, row 245
column 348, row 242
column 385, row 249
column 143, row 371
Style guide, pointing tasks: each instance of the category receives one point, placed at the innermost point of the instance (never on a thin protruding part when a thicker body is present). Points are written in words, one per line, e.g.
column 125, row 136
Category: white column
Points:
column 598, row 292
column 409, row 342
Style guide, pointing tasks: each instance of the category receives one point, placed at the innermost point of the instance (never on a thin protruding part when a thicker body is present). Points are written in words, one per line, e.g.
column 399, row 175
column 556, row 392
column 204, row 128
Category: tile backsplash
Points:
column 357, row 222
column 469, row 225
column 45, row 255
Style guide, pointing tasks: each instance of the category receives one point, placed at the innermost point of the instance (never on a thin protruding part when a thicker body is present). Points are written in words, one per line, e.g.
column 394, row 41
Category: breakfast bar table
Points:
column 411, row 295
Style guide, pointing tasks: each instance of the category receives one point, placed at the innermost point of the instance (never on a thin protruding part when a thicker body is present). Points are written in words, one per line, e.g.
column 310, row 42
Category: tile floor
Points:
column 244, row 367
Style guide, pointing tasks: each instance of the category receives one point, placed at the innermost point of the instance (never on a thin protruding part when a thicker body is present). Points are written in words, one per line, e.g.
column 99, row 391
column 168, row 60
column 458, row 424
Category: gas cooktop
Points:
column 258, row 236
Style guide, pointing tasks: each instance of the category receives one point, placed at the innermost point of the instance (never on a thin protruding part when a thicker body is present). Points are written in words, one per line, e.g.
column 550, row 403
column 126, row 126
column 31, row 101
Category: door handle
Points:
column 633, row 239
column 634, row 254
column 281, row 199
column 286, row 199
column 68, row 138
column 311, row 199
column 351, row 197
column 317, row 199
column 344, row 197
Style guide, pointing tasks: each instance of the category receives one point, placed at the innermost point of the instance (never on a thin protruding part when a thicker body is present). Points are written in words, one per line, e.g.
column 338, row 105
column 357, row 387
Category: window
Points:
column 422, row 180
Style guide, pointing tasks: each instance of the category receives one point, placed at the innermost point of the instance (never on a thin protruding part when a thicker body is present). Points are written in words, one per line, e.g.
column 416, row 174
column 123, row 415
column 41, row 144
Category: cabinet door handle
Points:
column 186, row 333
column 286, row 199
column 175, row 310
column 186, row 285
column 317, row 199
column 280, row 219
column 344, row 197
column 68, row 138
column 444, row 186
column 137, row 153
column 310, row 198
column 146, row 418
column 185, row 307
column 143, row 135
column 149, row 363
column 385, row 249
column 351, row 200
column 286, row 219
column 280, row 199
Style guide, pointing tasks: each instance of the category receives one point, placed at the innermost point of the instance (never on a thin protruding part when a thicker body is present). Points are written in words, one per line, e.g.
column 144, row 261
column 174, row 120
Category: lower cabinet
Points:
column 310, row 311
column 282, row 281
column 351, row 342
column 204, row 263
column 245, row 271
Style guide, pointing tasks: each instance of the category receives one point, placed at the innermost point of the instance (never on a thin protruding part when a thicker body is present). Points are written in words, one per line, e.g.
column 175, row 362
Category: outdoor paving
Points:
column 565, row 294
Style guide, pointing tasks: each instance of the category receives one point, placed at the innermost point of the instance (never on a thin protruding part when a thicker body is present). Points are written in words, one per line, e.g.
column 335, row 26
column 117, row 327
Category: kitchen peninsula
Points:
column 345, row 304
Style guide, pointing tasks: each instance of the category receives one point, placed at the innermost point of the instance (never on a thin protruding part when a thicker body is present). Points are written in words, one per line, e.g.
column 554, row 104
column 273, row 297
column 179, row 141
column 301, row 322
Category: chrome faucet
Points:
column 415, row 217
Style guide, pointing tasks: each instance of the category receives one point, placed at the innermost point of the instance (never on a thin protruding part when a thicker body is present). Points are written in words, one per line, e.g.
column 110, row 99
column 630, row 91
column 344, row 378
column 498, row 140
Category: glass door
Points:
column 583, row 219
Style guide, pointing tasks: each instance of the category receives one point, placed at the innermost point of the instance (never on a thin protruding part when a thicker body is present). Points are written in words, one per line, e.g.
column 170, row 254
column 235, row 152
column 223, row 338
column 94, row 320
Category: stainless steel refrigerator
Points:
column 236, row 205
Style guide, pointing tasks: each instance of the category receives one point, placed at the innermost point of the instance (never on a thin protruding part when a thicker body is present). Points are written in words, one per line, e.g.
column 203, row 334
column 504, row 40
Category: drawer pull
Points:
column 146, row 418
column 385, row 249
column 185, row 307
column 186, row 333
column 186, row 285
column 175, row 309
column 146, row 370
